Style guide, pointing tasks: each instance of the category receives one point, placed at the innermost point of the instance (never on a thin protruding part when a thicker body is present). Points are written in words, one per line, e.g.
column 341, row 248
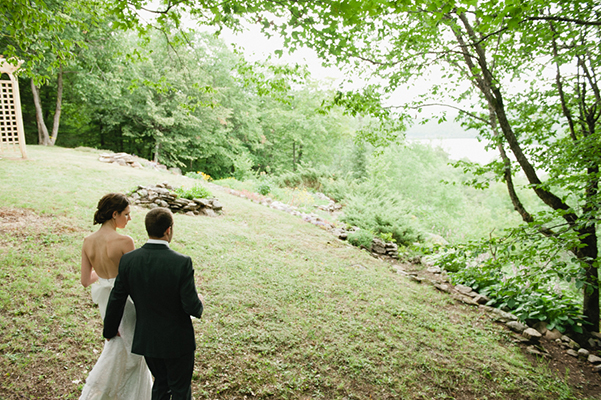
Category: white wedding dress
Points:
column 118, row 374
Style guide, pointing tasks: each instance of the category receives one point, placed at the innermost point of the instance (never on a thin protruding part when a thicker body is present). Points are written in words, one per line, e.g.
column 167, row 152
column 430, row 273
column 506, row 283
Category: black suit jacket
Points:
column 161, row 284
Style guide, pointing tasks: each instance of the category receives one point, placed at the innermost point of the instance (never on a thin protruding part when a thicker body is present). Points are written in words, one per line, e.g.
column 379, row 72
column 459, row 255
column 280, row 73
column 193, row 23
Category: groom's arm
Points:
column 115, row 307
column 189, row 297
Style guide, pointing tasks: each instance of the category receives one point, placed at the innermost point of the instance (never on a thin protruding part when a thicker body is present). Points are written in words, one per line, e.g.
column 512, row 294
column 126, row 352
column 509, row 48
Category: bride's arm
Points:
column 88, row 275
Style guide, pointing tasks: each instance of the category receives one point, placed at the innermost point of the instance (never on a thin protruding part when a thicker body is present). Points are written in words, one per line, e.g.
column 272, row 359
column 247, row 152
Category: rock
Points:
column 573, row 345
column 391, row 246
column 463, row 289
column 340, row 234
column 583, row 354
column 415, row 260
column 565, row 339
column 532, row 334
column 503, row 315
column 533, row 350
column 190, row 207
column 596, row 335
column 203, row 203
column 378, row 246
column 593, row 359
column 378, row 250
column 175, row 171
column 217, row 205
column 443, row 287
column 464, row 299
column 481, row 299
column 541, row 326
column 572, row 353
column 209, row 212
column 536, row 351
column 426, row 261
column 516, row 326
column 553, row 335
column 434, row 269
column 190, row 213
column 597, row 368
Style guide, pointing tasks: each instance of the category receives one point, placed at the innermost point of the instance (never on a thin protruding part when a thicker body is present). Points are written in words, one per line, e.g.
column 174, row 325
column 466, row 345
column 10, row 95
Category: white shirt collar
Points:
column 157, row 241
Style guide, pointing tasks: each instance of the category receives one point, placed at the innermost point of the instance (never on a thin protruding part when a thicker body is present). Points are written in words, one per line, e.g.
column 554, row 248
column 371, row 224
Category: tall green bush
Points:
column 381, row 212
column 307, row 177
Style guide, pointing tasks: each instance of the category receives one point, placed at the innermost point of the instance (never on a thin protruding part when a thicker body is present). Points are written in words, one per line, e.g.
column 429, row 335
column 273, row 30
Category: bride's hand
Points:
column 118, row 334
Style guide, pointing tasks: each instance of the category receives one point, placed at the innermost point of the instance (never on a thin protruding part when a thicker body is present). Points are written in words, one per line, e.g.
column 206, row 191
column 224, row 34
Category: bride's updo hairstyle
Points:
column 107, row 205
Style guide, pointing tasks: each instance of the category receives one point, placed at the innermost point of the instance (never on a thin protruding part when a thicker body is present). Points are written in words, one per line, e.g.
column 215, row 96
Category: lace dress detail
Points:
column 118, row 374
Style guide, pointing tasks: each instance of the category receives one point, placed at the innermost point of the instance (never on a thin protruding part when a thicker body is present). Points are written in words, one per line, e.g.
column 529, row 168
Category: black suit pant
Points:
column 172, row 377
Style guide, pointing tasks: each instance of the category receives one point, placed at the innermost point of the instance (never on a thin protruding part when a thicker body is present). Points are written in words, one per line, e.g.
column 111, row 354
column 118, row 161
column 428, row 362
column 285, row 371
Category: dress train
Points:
column 118, row 373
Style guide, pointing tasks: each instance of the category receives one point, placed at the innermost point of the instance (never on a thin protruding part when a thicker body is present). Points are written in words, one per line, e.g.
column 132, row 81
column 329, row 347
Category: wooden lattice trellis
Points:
column 12, row 135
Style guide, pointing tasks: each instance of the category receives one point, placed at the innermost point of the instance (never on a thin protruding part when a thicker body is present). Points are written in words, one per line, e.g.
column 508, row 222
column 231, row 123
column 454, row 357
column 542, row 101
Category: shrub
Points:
column 361, row 238
column 528, row 284
column 289, row 179
column 196, row 192
column 199, row 175
column 263, row 188
column 305, row 177
column 337, row 189
column 382, row 213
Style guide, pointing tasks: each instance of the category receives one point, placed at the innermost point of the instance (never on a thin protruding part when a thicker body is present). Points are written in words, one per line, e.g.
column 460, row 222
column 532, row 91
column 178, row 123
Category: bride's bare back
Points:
column 102, row 250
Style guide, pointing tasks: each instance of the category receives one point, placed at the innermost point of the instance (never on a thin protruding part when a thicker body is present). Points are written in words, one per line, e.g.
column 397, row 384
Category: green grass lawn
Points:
column 292, row 313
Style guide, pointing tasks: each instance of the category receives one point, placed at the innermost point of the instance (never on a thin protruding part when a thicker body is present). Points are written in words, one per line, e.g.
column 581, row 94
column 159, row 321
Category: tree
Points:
column 46, row 35
column 481, row 47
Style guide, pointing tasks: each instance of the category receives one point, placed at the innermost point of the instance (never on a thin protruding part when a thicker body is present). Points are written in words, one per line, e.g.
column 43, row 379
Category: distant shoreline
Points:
column 459, row 147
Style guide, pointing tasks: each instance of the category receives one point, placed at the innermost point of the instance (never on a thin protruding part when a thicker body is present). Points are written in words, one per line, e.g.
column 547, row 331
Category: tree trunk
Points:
column 57, row 112
column 156, row 152
column 43, row 137
column 294, row 156
column 492, row 94
column 589, row 253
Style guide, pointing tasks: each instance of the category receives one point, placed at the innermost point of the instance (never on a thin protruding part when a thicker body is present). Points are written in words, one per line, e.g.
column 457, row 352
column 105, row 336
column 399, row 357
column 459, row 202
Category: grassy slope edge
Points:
column 291, row 312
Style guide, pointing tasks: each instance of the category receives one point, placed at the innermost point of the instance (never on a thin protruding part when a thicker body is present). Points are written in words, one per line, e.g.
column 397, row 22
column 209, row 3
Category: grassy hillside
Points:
column 291, row 312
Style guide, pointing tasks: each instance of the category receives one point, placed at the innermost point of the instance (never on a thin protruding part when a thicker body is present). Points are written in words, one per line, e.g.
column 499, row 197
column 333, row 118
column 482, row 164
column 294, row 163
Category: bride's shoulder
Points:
column 126, row 242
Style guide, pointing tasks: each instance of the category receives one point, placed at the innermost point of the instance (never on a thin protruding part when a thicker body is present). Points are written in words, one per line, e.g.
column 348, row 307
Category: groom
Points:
column 160, row 282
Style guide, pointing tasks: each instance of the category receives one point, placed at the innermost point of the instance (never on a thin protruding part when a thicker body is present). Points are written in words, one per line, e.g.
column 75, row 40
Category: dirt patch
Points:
column 18, row 222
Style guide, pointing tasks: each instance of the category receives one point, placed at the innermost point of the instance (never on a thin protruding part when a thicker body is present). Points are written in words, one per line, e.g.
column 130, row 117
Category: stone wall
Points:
column 162, row 195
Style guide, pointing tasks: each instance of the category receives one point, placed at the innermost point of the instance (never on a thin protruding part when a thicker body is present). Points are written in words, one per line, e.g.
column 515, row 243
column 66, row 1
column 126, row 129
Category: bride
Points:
column 118, row 374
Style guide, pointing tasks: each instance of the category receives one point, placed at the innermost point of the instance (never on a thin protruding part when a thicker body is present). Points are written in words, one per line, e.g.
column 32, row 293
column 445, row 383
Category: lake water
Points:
column 459, row 148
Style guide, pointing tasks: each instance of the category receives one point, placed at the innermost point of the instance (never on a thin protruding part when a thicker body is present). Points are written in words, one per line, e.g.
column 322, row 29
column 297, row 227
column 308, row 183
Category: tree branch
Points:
column 461, row 110
column 562, row 19
column 566, row 111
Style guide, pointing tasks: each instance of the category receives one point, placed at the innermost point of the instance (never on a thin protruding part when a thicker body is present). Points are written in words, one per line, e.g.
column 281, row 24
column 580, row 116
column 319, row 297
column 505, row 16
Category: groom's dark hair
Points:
column 157, row 221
